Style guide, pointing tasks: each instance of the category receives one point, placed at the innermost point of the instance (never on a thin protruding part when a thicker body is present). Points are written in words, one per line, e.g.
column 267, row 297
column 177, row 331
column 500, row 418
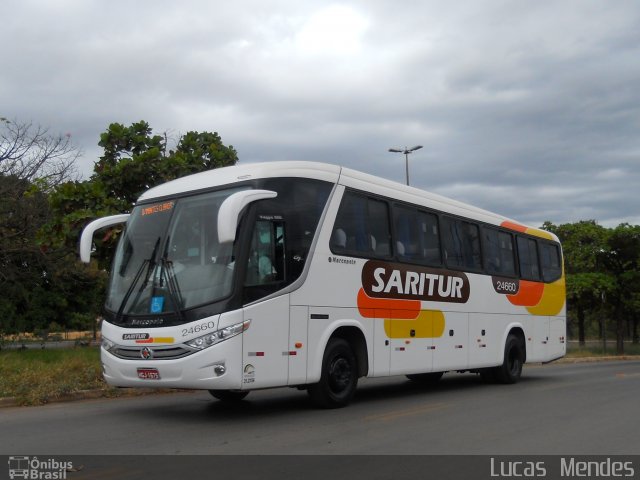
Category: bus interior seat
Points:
column 339, row 238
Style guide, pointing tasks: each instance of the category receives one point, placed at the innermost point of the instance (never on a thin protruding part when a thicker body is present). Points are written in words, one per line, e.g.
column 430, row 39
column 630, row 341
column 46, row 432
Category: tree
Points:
column 32, row 163
column 585, row 246
column 29, row 152
column 623, row 261
column 133, row 161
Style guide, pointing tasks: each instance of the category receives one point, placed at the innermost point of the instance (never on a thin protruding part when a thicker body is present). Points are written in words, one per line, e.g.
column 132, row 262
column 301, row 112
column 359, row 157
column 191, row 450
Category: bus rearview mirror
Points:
column 86, row 239
column 232, row 207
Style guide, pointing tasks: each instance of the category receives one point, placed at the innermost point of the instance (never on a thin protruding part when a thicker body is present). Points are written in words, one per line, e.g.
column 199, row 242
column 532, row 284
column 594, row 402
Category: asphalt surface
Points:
column 567, row 409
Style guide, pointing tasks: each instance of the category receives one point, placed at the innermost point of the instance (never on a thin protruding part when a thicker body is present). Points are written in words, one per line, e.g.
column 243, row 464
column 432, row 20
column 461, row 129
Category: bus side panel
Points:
column 557, row 346
column 381, row 349
column 452, row 349
column 298, row 345
column 540, row 338
column 486, row 332
column 266, row 342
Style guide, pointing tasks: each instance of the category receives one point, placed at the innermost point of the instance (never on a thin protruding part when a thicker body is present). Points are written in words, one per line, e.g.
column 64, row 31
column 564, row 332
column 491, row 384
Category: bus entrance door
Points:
column 265, row 342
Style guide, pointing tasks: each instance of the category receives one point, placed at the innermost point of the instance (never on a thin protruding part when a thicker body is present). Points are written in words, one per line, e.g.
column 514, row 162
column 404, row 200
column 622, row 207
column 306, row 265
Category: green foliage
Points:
column 35, row 377
column 134, row 160
column 601, row 266
column 43, row 213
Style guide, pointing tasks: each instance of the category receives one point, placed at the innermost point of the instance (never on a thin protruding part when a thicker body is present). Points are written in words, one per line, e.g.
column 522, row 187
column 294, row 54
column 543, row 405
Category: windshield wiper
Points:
column 172, row 284
column 151, row 262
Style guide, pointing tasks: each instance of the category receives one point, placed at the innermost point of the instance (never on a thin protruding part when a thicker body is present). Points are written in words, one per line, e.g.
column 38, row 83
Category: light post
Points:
column 406, row 152
column 604, row 324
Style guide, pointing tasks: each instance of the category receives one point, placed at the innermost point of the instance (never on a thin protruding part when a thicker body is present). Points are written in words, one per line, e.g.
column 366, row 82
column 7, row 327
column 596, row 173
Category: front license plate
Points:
column 148, row 374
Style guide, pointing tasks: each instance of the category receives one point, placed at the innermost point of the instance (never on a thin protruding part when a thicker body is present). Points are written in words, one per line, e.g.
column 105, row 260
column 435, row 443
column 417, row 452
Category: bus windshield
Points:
column 169, row 258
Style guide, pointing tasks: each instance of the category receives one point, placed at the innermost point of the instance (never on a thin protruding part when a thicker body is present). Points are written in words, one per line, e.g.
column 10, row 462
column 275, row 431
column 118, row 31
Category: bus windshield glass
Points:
column 169, row 258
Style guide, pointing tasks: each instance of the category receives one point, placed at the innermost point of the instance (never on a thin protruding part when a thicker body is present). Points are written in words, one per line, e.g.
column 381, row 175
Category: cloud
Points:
column 531, row 110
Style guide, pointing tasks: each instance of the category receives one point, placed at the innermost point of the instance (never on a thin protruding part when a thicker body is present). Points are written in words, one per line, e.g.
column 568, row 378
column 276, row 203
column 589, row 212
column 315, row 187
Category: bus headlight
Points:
column 107, row 344
column 218, row 336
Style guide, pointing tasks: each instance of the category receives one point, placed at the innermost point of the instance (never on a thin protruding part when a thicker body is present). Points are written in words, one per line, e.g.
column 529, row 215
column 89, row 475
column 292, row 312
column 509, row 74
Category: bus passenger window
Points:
column 379, row 227
column 498, row 251
column 461, row 244
column 362, row 227
column 417, row 239
column 550, row 261
column 528, row 255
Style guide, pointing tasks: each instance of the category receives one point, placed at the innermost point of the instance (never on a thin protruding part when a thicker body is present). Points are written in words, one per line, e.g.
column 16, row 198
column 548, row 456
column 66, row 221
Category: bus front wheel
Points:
column 339, row 377
column 229, row 395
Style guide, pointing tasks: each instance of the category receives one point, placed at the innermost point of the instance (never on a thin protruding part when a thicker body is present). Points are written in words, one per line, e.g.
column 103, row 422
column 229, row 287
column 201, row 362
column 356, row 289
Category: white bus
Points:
column 312, row 276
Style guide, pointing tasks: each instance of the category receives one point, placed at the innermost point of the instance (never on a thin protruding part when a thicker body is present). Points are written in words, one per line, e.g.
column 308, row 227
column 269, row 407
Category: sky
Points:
column 530, row 109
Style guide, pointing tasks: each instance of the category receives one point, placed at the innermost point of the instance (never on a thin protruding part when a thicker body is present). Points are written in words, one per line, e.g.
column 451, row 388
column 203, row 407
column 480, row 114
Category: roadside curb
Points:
column 610, row 358
column 91, row 394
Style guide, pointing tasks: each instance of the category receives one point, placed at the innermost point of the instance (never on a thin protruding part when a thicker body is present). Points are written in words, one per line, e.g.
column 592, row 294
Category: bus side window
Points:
column 416, row 236
column 550, row 261
column 362, row 227
column 379, row 232
column 498, row 252
column 265, row 264
column 528, row 256
column 461, row 244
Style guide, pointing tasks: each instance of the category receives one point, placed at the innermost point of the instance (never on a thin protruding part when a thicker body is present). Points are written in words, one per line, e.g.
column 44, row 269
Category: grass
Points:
column 597, row 351
column 35, row 377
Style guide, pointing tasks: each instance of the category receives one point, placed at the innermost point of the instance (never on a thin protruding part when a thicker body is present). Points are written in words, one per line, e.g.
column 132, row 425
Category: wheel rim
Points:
column 339, row 375
column 514, row 361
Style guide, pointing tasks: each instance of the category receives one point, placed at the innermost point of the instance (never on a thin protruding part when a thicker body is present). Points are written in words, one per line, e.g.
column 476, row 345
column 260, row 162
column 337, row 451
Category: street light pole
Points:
column 406, row 152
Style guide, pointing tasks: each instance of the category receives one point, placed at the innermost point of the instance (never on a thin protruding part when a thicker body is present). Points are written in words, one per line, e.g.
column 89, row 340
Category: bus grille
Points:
column 157, row 353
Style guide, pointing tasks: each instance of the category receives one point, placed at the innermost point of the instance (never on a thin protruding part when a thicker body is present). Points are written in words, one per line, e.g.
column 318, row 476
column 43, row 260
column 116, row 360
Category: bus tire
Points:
column 430, row 378
column 511, row 368
column 230, row 396
column 339, row 376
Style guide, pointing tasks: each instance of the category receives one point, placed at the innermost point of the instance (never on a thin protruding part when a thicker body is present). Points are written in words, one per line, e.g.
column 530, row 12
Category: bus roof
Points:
column 330, row 173
column 238, row 173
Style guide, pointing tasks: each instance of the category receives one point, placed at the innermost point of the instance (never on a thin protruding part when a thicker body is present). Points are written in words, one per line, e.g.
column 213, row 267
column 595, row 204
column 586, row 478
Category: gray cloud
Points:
column 531, row 110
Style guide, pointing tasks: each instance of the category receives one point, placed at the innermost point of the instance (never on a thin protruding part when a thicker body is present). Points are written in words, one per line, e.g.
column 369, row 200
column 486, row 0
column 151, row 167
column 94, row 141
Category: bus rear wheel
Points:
column 339, row 377
column 511, row 368
column 229, row 396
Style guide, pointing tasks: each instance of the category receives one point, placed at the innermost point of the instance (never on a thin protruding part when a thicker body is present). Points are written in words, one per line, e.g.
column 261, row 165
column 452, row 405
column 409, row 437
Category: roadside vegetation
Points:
column 594, row 349
column 35, row 377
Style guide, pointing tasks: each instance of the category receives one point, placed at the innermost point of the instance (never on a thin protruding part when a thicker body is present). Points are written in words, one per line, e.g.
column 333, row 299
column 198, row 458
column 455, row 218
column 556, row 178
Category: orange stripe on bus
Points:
column 514, row 226
column 529, row 294
column 387, row 307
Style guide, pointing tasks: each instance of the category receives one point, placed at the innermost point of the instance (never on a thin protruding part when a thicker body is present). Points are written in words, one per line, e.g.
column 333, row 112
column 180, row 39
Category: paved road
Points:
column 555, row 409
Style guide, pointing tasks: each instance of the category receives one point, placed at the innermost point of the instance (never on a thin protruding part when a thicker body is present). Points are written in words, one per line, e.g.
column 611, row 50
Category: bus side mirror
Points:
column 87, row 234
column 231, row 208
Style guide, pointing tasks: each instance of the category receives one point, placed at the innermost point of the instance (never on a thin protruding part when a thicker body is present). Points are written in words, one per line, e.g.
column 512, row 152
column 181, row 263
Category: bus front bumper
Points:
column 218, row 367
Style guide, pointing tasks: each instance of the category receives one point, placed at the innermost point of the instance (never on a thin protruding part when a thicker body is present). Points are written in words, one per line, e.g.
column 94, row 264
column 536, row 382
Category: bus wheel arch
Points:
column 515, row 354
column 356, row 340
column 339, row 377
column 519, row 334
column 344, row 360
column 514, row 357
